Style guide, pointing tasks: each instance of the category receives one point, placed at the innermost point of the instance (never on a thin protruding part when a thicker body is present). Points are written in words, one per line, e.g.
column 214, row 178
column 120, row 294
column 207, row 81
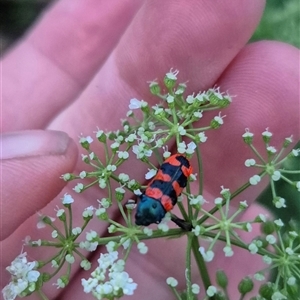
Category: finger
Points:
column 265, row 79
column 32, row 162
column 57, row 59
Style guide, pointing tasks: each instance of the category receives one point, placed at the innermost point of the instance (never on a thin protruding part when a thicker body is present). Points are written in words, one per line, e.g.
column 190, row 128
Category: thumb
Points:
column 31, row 163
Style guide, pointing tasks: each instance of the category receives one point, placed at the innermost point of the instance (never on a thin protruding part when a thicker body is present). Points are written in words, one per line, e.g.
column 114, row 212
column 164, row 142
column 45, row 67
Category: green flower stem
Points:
column 287, row 180
column 289, row 171
column 272, row 185
column 86, row 222
column 60, row 237
column 200, row 172
column 215, row 209
column 201, row 264
column 182, row 210
column 257, row 154
column 121, row 209
column 79, row 254
column 188, row 264
column 69, row 230
column 42, row 295
column 278, row 155
column 175, row 293
column 127, row 252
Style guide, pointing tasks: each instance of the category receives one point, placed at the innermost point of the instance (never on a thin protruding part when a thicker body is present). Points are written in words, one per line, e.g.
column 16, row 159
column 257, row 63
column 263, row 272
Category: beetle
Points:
column 162, row 192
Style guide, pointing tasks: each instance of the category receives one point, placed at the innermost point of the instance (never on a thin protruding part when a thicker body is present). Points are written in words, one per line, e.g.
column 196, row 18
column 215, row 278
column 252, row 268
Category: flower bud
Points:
column 245, row 286
column 222, row 279
column 266, row 290
column 154, row 88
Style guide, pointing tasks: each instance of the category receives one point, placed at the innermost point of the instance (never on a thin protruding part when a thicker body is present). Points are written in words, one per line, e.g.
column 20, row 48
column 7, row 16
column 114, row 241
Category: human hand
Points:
column 72, row 76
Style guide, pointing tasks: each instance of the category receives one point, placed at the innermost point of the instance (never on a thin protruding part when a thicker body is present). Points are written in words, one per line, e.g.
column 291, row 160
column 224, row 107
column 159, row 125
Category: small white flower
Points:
column 259, row 276
column 279, row 223
column 196, row 230
column 250, row 162
column 202, row 137
column 141, row 151
column 82, row 174
column 219, row 119
column 295, row 152
column 87, row 139
column 92, row 155
column 190, row 99
column 228, row 251
column 181, row 147
column 195, row 288
column 123, row 154
column 298, row 186
column 111, row 246
column 163, row 227
column 243, row 204
column 76, row 230
column 85, row 264
column 247, row 134
column 211, row 291
column 78, row 188
column 267, row 259
column 88, row 212
column 254, row 180
column 111, row 168
column 271, row 239
column 135, row 103
column 197, row 200
column 267, row 133
column 291, row 280
column 115, row 145
column 143, row 249
column 102, row 183
column 54, row 234
column 262, row 218
column 148, row 231
column 66, row 177
column 91, row 235
column 198, row 114
column 131, row 138
column 201, row 97
column 70, row 258
column 253, row 248
column 181, row 130
column 171, row 281
column 125, row 242
column 170, row 99
column 191, row 148
column 279, row 202
column 278, row 296
column 123, row 177
column 67, row 199
column 218, row 201
column 150, row 174
column 137, row 192
column 271, row 149
column 172, row 74
column 207, row 256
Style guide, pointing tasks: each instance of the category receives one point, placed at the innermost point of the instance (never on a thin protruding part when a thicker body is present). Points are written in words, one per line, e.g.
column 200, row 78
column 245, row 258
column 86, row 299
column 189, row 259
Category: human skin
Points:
column 77, row 69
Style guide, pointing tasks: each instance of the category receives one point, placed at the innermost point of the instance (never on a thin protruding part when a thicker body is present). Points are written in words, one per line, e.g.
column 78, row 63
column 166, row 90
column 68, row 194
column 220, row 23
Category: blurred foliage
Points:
column 281, row 22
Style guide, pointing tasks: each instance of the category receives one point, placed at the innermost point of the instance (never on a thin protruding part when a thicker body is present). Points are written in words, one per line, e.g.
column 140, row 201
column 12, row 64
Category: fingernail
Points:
column 33, row 143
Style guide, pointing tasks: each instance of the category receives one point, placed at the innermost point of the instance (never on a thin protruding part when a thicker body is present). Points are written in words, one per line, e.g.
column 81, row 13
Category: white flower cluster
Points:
column 24, row 278
column 108, row 280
